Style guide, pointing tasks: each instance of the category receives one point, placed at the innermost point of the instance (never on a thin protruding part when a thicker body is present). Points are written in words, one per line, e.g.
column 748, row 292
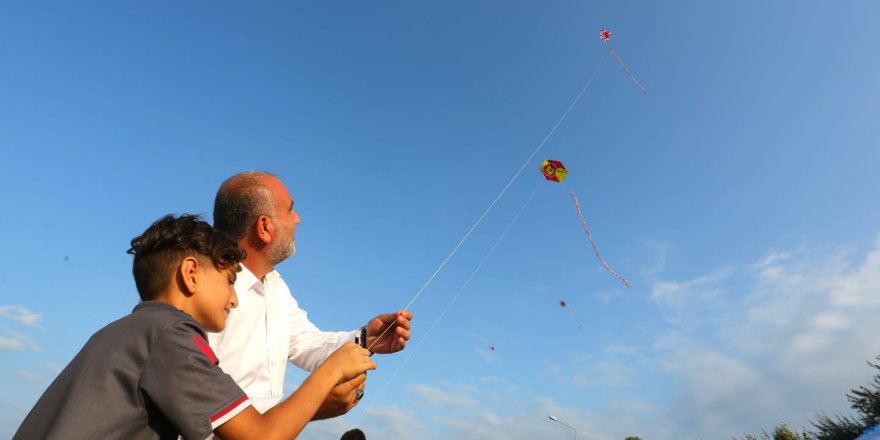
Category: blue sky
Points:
column 737, row 197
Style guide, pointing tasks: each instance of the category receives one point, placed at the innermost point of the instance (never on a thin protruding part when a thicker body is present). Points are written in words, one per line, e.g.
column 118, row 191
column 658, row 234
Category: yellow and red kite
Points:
column 554, row 170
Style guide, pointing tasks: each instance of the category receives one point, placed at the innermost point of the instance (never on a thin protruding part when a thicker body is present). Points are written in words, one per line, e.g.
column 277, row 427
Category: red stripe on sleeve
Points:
column 203, row 345
column 228, row 408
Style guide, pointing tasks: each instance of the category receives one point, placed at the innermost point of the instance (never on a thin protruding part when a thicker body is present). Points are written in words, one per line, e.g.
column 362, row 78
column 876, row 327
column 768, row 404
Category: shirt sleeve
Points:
column 309, row 346
column 182, row 379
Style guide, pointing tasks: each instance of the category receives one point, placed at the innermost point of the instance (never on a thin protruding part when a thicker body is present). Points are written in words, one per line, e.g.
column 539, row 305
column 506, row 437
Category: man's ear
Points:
column 265, row 229
column 189, row 272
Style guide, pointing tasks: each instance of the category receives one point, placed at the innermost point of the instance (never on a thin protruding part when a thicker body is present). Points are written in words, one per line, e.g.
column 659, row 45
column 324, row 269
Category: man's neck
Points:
column 255, row 260
column 259, row 270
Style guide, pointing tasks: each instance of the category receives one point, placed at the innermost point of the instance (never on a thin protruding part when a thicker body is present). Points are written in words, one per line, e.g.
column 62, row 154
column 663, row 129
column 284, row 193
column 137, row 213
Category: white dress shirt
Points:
column 266, row 330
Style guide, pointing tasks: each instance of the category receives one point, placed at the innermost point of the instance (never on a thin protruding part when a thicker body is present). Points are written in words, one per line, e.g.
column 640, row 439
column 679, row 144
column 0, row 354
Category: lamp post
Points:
column 566, row 425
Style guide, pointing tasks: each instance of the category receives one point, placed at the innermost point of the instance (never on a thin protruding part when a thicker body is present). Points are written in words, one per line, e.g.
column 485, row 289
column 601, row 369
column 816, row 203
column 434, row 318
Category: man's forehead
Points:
column 277, row 187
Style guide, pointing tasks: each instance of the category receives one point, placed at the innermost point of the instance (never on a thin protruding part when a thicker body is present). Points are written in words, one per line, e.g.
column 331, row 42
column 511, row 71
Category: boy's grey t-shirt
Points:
column 150, row 375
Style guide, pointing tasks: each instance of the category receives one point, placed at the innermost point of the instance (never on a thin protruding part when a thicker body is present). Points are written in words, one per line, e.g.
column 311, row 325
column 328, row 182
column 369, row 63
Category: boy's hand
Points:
column 341, row 399
column 349, row 361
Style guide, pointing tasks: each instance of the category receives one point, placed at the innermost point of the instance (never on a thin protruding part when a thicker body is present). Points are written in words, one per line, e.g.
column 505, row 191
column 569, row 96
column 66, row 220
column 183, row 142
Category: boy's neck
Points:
column 176, row 299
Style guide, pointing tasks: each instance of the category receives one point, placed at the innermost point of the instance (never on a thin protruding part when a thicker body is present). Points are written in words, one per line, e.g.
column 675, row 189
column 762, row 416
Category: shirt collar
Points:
column 246, row 280
column 152, row 304
column 144, row 306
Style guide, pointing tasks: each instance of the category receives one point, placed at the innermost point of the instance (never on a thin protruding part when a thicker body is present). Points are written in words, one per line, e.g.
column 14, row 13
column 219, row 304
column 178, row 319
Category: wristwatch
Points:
column 362, row 338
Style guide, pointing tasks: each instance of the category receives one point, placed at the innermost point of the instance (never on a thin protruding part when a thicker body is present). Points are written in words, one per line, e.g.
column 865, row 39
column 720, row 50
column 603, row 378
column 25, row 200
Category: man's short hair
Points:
column 240, row 200
column 160, row 249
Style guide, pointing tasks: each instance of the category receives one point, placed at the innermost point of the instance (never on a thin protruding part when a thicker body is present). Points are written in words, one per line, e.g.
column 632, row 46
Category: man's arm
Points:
column 309, row 346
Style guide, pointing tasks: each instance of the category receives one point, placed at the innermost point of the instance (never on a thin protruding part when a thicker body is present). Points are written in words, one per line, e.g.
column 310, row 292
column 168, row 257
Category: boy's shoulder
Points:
column 150, row 317
column 153, row 327
column 151, row 314
column 156, row 354
column 157, row 326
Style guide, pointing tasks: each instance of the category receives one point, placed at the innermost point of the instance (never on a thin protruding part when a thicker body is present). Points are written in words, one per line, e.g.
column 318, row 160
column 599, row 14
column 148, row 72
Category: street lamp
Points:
column 566, row 425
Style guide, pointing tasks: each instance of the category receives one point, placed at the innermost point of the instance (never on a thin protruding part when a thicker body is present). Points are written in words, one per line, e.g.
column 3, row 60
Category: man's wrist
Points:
column 361, row 338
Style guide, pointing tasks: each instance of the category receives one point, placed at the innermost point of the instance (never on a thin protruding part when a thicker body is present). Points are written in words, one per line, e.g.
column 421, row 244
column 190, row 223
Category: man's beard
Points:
column 281, row 250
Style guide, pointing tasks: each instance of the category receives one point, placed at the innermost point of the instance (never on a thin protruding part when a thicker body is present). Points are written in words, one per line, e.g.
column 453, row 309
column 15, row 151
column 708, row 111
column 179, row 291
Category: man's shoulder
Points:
column 276, row 281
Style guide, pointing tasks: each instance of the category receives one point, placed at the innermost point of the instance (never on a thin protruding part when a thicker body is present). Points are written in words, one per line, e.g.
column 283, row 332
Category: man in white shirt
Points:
column 268, row 328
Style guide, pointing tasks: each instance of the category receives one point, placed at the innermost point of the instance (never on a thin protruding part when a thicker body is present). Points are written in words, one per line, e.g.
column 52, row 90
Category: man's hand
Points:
column 342, row 398
column 394, row 339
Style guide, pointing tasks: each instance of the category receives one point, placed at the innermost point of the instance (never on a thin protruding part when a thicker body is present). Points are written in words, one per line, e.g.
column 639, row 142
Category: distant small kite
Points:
column 605, row 36
column 564, row 306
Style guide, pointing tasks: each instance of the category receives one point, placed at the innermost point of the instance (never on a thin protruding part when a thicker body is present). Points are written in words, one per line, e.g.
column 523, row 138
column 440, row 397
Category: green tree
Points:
column 838, row 428
column 865, row 400
column 632, row 437
column 782, row 432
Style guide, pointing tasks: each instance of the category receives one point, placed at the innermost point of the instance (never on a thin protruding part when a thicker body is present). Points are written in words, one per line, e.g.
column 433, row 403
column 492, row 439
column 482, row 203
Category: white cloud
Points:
column 20, row 314
column 7, row 343
column 33, row 377
column 377, row 422
column 602, row 297
column 53, row 367
column 17, row 341
column 656, row 268
column 41, row 376
column 434, row 396
column 483, row 421
column 617, row 366
column 791, row 342
column 749, row 347
column 678, row 295
column 11, row 416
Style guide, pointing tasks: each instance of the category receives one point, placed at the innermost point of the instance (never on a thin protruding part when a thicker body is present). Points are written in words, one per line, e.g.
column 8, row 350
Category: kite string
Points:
column 497, row 198
column 452, row 301
column 626, row 69
column 577, row 318
column 577, row 205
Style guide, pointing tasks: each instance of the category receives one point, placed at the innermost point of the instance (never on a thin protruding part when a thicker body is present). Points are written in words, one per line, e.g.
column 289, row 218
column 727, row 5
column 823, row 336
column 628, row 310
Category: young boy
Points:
column 152, row 375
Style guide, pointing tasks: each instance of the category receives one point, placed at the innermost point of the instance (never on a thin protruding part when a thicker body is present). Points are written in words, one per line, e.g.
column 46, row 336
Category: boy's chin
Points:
column 213, row 328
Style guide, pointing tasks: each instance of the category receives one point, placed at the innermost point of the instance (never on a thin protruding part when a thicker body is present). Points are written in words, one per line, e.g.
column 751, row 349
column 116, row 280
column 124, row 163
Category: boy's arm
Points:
column 288, row 418
column 341, row 400
column 285, row 420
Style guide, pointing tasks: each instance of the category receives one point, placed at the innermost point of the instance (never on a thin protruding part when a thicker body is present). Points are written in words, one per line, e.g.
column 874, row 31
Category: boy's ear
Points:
column 189, row 275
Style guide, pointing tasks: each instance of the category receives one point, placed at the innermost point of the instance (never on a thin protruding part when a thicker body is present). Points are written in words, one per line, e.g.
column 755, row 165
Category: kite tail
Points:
column 595, row 249
column 578, row 319
column 628, row 72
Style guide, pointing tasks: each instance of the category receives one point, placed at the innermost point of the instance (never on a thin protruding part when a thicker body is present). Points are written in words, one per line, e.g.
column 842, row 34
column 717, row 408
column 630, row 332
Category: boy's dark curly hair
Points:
column 160, row 249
